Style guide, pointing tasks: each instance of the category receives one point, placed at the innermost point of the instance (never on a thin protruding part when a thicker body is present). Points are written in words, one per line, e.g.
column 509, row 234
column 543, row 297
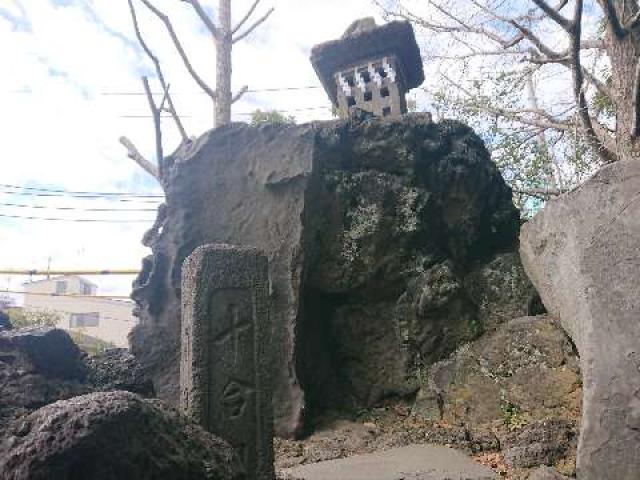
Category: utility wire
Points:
column 251, row 90
column 43, row 294
column 17, row 271
column 19, row 205
column 246, row 114
column 75, row 220
column 87, row 197
column 70, row 192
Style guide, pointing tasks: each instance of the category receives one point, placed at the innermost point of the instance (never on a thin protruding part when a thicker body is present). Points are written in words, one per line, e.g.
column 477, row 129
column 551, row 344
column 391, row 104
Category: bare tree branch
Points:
column 205, row 18
column 245, row 18
column 612, row 18
column 239, row 95
column 134, row 154
column 591, row 136
column 599, row 84
column 540, row 118
column 633, row 22
column 155, row 112
column 176, row 42
column 541, row 193
column 554, row 13
column 160, row 75
column 254, row 26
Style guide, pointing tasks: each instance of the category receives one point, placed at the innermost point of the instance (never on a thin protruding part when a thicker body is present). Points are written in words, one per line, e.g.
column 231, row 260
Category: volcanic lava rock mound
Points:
column 387, row 242
column 113, row 436
column 37, row 366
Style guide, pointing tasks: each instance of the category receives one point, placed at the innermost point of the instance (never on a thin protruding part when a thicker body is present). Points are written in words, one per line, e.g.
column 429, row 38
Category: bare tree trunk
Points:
column 624, row 53
column 222, row 107
column 624, row 57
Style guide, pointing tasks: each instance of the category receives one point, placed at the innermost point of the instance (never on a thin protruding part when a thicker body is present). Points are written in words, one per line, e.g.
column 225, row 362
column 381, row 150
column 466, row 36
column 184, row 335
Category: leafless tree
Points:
column 224, row 35
column 532, row 37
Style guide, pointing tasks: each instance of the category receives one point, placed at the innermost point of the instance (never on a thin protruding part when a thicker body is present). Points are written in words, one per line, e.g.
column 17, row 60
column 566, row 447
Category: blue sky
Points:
column 61, row 119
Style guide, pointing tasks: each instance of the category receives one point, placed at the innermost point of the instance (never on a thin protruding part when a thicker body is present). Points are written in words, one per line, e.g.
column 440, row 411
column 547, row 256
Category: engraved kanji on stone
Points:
column 235, row 397
column 237, row 326
column 226, row 356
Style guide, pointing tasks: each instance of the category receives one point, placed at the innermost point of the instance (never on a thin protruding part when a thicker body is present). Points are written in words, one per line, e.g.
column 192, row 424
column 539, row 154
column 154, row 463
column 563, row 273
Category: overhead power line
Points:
column 76, row 220
column 17, row 271
column 71, row 192
column 48, row 207
column 245, row 114
column 86, row 197
column 251, row 90
column 42, row 294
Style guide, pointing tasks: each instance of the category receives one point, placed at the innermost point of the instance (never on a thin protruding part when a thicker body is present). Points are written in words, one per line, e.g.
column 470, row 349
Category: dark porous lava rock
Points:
column 112, row 436
column 541, row 443
column 37, row 366
column 118, row 369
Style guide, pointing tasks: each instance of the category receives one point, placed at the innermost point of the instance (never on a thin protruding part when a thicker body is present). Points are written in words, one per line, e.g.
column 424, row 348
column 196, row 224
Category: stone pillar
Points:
column 226, row 356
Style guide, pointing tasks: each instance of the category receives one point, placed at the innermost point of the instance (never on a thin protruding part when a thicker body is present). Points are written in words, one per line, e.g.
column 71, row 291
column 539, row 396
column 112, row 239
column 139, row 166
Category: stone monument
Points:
column 225, row 370
column 371, row 67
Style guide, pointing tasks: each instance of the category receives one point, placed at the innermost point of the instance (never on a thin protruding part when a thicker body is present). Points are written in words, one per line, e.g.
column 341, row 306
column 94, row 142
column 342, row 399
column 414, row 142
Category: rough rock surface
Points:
column 37, row 366
column 583, row 254
column 521, row 382
column 376, row 234
column 112, row 436
column 547, row 473
column 117, row 369
column 511, row 398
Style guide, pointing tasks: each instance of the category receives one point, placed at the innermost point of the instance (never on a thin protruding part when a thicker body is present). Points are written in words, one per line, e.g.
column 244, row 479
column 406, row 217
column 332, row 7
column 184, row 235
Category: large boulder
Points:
column 521, row 382
column 377, row 233
column 582, row 252
column 113, row 436
column 37, row 366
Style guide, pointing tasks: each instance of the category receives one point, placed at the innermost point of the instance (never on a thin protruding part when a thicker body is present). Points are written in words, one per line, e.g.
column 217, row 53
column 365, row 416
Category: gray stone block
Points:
column 582, row 252
column 227, row 354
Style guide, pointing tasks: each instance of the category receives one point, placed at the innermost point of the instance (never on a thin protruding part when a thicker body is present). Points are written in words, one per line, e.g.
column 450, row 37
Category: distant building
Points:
column 371, row 67
column 74, row 299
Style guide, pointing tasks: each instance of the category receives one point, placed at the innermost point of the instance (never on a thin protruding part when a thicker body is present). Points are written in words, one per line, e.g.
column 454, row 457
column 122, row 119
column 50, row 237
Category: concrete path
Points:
column 415, row 462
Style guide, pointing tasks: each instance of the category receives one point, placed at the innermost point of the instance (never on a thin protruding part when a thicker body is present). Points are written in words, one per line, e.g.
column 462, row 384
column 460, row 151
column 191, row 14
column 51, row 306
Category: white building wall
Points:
column 115, row 316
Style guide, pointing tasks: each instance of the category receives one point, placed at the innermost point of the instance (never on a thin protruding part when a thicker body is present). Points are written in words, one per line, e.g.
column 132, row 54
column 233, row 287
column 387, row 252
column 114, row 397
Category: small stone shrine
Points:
column 371, row 67
column 226, row 360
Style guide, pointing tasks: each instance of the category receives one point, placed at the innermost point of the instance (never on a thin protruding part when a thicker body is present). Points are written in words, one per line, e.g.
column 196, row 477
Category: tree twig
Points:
column 215, row 31
column 183, row 56
column 136, row 156
column 240, row 93
column 155, row 112
column 254, row 26
column 159, row 73
column 553, row 13
column 245, row 18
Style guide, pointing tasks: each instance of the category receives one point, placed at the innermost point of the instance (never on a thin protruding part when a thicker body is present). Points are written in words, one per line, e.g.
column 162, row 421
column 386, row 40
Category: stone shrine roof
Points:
column 363, row 41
